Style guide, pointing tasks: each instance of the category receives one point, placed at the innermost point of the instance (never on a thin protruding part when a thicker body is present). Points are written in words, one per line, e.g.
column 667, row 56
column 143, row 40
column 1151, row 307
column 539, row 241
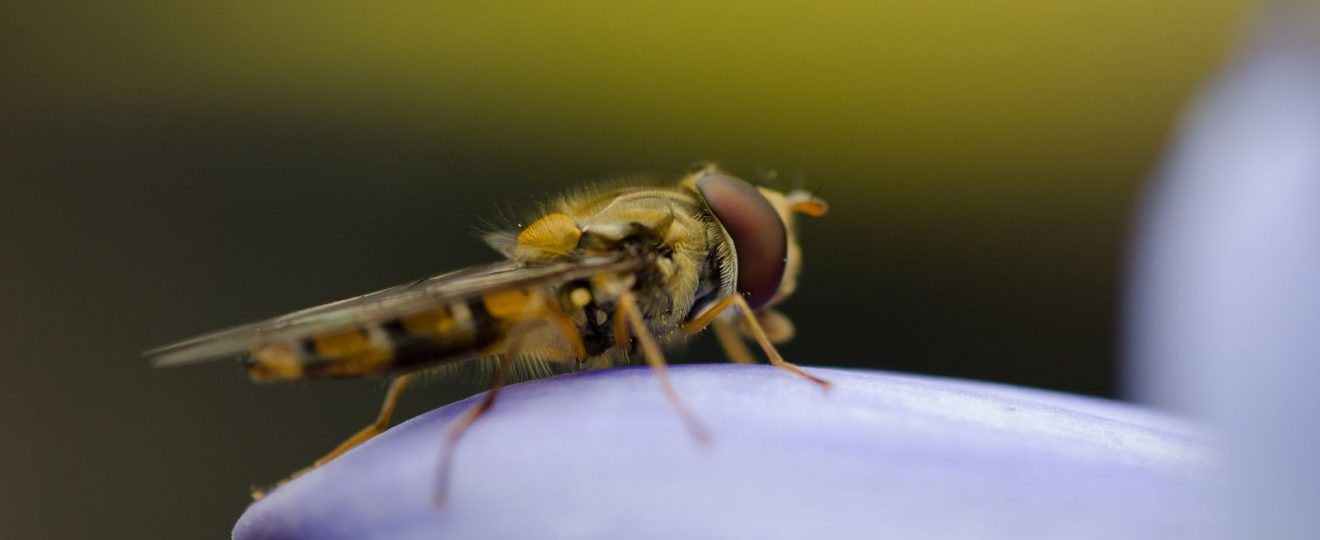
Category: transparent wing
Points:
column 383, row 305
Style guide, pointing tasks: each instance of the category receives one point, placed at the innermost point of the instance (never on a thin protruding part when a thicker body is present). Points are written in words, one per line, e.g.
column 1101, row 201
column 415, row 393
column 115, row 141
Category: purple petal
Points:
column 603, row 455
column 1225, row 298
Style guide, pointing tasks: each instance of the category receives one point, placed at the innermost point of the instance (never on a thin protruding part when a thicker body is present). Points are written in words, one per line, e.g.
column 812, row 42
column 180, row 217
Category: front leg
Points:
column 754, row 327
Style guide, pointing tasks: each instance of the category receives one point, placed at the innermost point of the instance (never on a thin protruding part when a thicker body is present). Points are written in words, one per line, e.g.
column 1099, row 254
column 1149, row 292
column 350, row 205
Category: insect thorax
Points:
column 686, row 254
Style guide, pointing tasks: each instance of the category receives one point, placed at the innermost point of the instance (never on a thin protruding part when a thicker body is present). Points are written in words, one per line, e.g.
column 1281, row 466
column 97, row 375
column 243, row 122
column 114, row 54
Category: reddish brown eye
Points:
column 758, row 234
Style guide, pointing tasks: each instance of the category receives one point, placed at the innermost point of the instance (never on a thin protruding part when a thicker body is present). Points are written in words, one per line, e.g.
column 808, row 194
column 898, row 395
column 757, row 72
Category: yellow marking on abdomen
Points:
column 370, row 353
column 510, row 304
column 276, row 361
column 430, row 322
column 332, row 346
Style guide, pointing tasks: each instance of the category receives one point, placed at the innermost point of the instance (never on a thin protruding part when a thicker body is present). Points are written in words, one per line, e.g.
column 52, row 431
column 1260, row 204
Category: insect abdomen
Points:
column 458, row 331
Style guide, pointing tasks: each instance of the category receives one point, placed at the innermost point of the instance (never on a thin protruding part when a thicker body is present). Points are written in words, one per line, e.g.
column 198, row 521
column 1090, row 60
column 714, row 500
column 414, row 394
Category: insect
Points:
column 598, row 276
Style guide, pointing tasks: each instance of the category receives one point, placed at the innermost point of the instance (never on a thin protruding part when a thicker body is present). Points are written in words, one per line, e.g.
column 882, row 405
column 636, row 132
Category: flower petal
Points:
column 602, row 454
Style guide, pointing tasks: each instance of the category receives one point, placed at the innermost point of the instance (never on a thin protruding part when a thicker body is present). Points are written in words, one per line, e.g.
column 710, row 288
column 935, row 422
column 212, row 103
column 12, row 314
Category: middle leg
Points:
column 630, row 317
column 465, row 421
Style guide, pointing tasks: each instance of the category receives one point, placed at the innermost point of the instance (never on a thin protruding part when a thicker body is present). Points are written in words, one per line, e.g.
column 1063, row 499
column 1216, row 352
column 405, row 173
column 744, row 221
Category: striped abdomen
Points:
column 459, row 330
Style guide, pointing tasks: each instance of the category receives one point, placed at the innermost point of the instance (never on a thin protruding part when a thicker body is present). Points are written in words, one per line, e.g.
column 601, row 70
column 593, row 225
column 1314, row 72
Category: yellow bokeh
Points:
column 1001, row 86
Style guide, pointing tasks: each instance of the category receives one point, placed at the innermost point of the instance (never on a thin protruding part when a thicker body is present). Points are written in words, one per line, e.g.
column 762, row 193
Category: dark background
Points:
column 168, row 171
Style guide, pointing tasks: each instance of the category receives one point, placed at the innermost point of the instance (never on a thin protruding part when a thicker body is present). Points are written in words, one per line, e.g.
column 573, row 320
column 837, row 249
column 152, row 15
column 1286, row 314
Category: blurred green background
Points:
column 167, row 170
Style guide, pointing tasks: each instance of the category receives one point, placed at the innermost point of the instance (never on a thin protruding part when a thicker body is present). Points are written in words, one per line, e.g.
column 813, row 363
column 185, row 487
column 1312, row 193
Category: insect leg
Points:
column 397, row 385
column 464, row 422
column 732, row 343
column 546, row 311
column 556, row 316
column 758, row 333
column 725, row 332
column 382, row 420
column 630, row 316
column 702, row 321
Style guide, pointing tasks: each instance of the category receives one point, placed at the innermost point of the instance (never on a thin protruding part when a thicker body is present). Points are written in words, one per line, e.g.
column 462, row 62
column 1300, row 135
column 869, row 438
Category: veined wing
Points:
column 383, row 306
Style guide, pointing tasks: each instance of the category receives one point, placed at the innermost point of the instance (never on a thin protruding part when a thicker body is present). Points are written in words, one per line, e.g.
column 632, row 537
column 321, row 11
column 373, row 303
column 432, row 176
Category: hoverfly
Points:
column 599, row 275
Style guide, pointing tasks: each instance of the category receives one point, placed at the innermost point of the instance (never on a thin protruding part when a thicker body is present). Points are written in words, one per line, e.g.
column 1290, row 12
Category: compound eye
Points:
column 759, row 236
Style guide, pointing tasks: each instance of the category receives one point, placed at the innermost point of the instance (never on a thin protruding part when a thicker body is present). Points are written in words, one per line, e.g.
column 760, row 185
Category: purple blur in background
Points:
column 1224, row 303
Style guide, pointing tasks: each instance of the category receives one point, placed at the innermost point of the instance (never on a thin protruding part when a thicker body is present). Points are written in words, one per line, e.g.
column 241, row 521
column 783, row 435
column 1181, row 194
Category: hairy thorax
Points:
column 667, row 226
